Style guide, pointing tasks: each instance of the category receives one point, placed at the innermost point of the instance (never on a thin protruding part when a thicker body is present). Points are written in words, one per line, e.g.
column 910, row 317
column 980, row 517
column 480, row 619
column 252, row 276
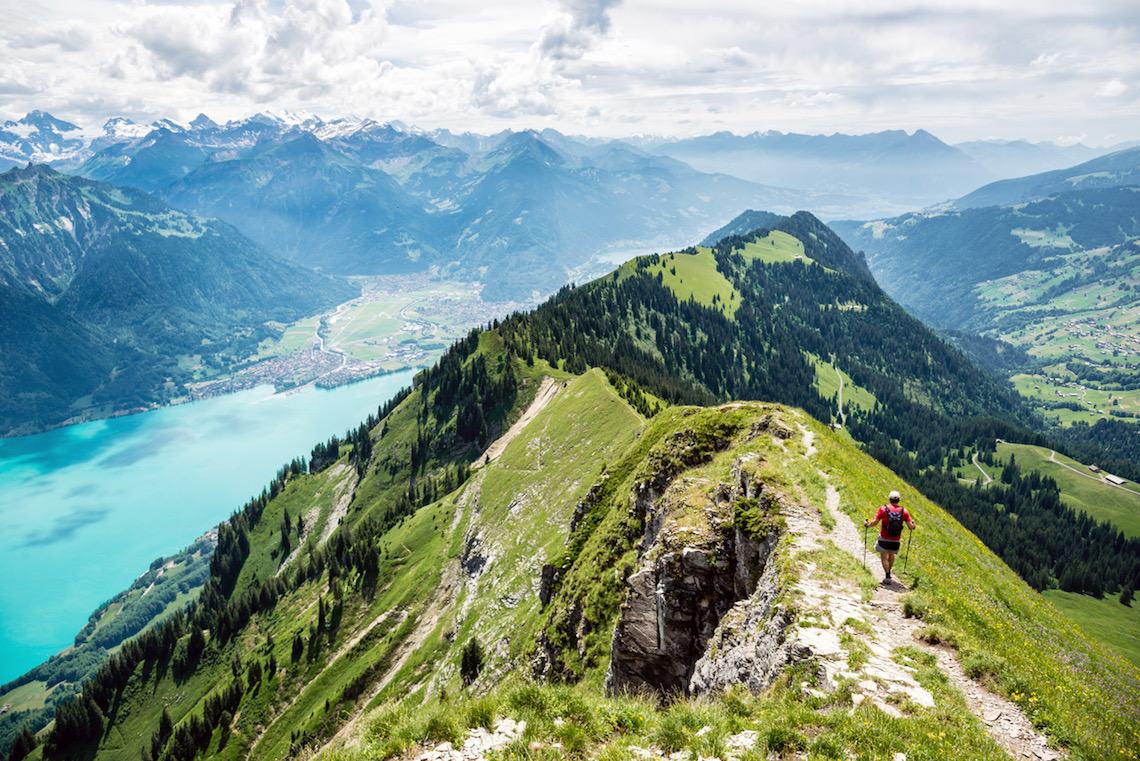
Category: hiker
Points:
column 892, row 517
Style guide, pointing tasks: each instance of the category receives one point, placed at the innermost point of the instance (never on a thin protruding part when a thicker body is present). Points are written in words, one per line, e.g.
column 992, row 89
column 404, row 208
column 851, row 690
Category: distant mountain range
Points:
column 103, row 290
column 935, row 262
column 522, row 211
column 1116, row 169
column 888, row 170
column 518, row 211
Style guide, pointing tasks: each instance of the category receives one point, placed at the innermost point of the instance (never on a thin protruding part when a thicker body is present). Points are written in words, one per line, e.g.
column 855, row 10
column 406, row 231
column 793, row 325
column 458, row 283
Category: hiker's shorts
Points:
column 887, row 545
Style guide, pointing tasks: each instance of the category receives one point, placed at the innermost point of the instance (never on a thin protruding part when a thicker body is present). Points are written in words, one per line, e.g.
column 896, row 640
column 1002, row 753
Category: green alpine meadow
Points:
column 629, row 524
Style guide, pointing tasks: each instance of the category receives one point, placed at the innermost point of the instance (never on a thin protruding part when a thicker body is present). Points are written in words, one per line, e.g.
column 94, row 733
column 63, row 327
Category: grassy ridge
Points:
column 1081, row 692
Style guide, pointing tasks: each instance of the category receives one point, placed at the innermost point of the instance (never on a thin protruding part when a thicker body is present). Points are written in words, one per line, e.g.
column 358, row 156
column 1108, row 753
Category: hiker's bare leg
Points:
column 886, row 559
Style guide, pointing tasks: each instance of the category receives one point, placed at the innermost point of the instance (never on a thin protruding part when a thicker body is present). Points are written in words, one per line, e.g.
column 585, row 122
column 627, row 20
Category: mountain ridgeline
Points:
column 104, row 290
column 929, row 404
column 370, row 574
column 517, row 211
column 936, row 262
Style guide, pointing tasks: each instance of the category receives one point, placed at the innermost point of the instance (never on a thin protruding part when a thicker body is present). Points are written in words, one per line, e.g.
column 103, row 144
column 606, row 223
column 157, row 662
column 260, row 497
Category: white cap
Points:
column 894, row 496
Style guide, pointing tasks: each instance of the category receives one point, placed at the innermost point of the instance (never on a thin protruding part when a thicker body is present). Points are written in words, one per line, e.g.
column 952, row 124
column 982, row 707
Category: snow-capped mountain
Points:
column 40, row 138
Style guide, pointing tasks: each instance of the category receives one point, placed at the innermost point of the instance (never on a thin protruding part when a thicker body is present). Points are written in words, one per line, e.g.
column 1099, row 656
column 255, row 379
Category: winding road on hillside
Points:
column 988, row 478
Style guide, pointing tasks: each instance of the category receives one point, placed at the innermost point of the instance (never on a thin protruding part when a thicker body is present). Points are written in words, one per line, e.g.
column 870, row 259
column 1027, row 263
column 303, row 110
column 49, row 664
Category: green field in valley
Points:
column 398, row 322
column 1062, row 387
column 1066, row 315
column 1081, row 488
column 1106, row 619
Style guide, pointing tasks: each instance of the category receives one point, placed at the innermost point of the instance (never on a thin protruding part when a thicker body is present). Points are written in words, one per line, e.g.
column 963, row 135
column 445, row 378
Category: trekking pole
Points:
column 864, row 545
column 909, row 536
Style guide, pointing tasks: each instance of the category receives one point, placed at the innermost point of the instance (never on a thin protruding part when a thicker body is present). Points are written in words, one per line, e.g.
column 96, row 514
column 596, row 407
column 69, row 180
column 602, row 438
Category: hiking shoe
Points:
column 888, row 576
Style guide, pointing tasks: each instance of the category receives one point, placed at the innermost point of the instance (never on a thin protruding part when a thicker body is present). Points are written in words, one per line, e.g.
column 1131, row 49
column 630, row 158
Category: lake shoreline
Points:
column 88, row 506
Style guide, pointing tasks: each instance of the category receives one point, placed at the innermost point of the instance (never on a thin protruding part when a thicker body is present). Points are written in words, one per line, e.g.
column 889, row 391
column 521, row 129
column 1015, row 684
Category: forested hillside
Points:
column 362, row 575
column 938, row 264
column 109, row 298
column 1050, row 285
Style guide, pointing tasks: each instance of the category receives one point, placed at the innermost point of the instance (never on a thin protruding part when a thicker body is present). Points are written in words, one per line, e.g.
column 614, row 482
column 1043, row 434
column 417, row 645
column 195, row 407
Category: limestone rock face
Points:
column 750, row 646
column 696, row 564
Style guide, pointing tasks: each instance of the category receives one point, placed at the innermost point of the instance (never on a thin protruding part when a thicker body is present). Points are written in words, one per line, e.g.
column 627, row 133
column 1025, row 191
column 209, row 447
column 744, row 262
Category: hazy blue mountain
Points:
column 887, row 170
column 152, row 157
column 526, row 214
column 158, row 159
column 1113, row 170
column 314, row 205
column 1019, row 158
column 105, row 288
column 376, row 145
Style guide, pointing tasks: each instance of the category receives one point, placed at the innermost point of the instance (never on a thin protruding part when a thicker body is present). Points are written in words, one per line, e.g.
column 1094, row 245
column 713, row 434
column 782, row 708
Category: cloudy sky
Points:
column 962, row 69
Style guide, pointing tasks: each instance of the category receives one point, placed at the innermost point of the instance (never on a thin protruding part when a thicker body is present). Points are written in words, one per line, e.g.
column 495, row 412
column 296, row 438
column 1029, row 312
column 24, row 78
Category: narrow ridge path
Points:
column 841, row 601
column 546, row 392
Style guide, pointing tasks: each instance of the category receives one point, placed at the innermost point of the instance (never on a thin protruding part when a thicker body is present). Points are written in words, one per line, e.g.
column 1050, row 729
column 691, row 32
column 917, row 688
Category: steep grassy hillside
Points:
column 470, row 567
column 414, row 559
column 1082, row 488
column 1116, row 625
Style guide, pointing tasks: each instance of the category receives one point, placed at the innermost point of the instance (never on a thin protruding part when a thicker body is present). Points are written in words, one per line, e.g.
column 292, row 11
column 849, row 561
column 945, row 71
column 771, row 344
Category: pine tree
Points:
column 471, row 660
column 24, row 744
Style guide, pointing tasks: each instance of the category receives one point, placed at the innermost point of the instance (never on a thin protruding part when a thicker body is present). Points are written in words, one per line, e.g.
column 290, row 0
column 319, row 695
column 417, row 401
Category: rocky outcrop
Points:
column 750, row 646
column 698, row 560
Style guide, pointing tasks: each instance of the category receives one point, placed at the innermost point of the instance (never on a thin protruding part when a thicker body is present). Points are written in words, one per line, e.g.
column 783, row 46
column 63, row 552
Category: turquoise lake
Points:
column 85, row 509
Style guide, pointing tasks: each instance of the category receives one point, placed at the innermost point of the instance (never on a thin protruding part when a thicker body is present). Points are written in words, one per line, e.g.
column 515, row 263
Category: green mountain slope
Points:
column 471, row 567
column 1051, row 281
column 413, row 559
column 1118, row 169
column 998, row 269
column 105, row 290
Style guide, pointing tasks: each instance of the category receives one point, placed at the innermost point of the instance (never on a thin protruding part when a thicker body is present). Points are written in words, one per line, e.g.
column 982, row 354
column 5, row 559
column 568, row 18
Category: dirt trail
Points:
column 546, row 392
column 880, row 677
column 445, row 597
column 988, row 478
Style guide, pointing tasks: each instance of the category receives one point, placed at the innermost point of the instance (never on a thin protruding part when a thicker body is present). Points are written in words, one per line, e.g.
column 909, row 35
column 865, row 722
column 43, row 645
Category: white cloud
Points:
column 959, row 68
column 810, row 100
column 577, row 27
column 1113, row 88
